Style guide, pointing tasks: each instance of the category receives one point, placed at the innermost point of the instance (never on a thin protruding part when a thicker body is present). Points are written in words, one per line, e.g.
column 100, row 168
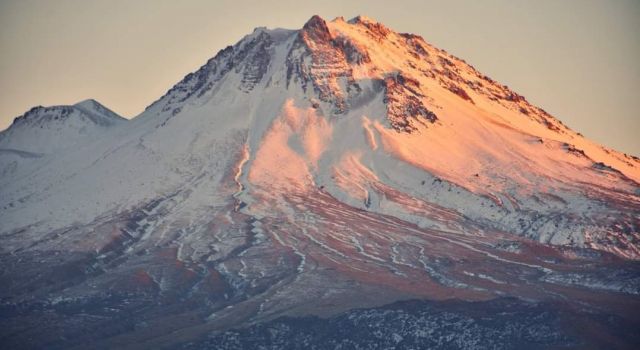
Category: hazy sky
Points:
column 579, row 59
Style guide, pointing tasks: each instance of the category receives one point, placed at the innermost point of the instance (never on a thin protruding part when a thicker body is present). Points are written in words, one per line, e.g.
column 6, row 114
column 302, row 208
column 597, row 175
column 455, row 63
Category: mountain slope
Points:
column 313, row 171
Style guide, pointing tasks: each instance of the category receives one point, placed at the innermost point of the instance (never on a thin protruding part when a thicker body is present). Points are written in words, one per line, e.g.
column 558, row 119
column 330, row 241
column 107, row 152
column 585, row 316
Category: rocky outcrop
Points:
column 404, row 103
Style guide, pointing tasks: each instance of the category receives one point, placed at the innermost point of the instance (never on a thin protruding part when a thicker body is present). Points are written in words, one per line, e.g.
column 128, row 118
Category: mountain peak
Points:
column 362, row 19
column 88, row 103
column 44, row 130
column 316, row 29
column 376, row 28
column 315, row 21
column 90, row 107
column 100, row 113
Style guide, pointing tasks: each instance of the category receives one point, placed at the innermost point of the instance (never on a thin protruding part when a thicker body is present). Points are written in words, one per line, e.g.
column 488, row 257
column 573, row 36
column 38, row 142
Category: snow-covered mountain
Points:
column 311, row 171
column 44, row 131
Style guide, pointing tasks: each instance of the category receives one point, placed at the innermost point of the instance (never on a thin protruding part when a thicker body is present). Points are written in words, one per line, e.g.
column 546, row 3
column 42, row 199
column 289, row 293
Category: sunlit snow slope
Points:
column 316, row 170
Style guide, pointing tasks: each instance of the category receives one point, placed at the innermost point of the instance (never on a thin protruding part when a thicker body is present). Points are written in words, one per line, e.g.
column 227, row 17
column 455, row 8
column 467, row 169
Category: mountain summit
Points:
column 44, row 131
column 314, row 171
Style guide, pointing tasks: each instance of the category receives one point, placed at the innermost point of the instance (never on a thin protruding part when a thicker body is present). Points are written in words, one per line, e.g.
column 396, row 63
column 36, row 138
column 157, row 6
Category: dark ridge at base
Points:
column 497, row 324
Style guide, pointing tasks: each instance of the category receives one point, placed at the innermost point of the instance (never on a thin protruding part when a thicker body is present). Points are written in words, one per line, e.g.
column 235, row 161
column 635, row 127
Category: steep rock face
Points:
column 404, row 105
column 248, row 62
column 327, row 60
column 313, row 171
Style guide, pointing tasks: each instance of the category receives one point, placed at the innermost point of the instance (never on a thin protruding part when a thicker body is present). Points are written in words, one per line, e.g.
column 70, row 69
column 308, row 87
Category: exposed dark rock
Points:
column 354, row 53
column 256, row 57
column 377, row 30
column 514, row 97
column 404, row 104
column 330, row 63
column 603, row 166
column 316, row 30
column 460, row 92
column 417, row 43
column 574, row 150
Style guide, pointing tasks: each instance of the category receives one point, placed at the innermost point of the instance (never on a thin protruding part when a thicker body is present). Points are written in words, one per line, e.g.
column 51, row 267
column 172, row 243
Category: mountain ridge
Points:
column 43, row 131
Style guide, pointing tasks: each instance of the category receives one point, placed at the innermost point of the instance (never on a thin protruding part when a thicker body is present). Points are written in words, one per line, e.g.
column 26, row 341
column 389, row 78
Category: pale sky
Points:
column 576, row 59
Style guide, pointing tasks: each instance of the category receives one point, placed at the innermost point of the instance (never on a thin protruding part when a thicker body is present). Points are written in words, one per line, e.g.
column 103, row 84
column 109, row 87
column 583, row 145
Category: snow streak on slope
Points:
column 318, row 170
